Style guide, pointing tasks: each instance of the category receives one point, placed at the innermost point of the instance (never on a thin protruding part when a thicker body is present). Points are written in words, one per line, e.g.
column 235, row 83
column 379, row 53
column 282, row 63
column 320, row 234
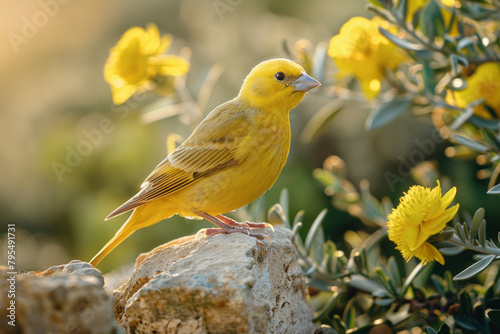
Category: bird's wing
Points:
column 211, row 148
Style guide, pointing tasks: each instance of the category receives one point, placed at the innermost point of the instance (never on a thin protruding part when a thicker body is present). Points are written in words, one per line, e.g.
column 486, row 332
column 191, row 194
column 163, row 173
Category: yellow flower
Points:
column 483, row 83
column 421, row 213
column 137, row 59
column 360, row 50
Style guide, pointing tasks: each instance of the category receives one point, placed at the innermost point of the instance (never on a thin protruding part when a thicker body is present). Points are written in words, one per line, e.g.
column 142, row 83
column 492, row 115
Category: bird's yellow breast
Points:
column 264, row 152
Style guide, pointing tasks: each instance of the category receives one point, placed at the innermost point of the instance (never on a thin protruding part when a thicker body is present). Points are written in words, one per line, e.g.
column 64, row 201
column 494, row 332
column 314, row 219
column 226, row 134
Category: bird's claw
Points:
column 214, row 231
column 259, row 225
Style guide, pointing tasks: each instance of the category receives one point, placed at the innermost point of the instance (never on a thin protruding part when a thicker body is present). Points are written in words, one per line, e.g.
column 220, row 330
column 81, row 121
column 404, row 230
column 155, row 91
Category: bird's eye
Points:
column 280, row 76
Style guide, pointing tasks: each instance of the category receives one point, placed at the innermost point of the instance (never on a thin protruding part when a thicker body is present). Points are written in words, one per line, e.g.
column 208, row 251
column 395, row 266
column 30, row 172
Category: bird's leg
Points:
column 234, row 223
column 226, row 228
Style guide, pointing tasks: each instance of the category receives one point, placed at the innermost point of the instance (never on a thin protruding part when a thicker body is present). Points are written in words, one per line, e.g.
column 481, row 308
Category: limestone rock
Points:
column 63, row 299
column 218, row 284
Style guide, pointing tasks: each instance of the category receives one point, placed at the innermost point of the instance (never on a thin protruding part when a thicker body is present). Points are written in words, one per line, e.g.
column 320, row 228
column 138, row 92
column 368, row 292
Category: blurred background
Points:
column 53, row 92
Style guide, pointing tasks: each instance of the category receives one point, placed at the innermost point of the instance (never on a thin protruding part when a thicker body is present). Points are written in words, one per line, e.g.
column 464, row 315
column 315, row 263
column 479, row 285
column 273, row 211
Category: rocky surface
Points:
column 217, row 284
column 63, row 299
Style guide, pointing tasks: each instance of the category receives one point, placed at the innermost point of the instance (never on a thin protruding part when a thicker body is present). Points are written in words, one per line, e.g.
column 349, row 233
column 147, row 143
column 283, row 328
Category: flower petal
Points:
column 122, row 94
column 448, row 198
column 170, row 65
column 428, row 253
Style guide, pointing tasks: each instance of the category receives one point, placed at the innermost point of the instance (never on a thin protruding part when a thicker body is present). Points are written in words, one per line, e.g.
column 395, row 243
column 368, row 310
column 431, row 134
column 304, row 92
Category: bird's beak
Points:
column 305, row 83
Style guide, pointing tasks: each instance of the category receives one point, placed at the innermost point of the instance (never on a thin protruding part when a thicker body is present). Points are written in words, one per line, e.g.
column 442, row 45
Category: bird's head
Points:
column 277, row 84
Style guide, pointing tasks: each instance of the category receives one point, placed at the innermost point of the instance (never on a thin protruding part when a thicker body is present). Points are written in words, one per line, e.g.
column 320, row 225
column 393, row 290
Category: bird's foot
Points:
column 228, row 226
column 258, row 236
column 246, row 224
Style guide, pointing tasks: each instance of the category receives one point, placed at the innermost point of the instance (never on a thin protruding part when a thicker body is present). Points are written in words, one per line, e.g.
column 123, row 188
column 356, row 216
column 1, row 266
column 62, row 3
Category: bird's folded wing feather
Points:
column 211, row 148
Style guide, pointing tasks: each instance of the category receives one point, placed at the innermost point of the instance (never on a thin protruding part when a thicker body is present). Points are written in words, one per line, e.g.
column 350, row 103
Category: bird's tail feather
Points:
column 123, row 233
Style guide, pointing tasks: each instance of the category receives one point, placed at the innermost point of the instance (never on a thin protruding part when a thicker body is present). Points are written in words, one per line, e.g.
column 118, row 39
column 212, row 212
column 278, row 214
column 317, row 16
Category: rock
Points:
column 218, row 284
column 75, row 267
column 63, row 299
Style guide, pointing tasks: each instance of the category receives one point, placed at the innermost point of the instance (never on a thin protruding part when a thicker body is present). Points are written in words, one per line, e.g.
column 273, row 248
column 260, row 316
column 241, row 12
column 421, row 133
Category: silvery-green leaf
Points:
column 452, row 250
column 402, row 8
column 476, row 268
column 465, row 42
column 384, row 302
column 494, row 190
column 362, row 283
column 484, row 123
column 387, row 112
column 438, row 283
column 413, row 274
column 460, row 232
column 403, row 43
column 491, row 139
column 321, row 120
column 275, row 215
column 431, row 21
column 284, row 202
column 328, row 306
column 430, row 330
column 476, row 221
column 481, row 233
column 314, row 229
column 394, row 272
column 455, row 60
column 469, row 143
column 320, row 58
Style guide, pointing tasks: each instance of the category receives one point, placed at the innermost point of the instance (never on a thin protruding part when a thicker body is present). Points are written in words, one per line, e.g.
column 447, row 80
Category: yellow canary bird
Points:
column 233, row 157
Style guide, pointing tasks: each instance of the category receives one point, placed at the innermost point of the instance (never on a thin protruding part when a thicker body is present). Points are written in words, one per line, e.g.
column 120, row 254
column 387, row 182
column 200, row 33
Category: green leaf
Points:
column 284, row 202
column 328, row 307
column 481, row 233
column 298, row 217
column 413, row 274
column 476, row 268
column 319, row 61
column 494, row 190
column 338, row 324
column 430, row 330
column 494, row 316
column 403, row 43
column 321, row 120
column 470, row 143
column 364, row 284
column 394, row 272
column 402, row 8
column 387, row 112
column 431, row 21
column 452, row 250
column 466, row 231
column 439, row 284
column 316, row 252
column 455, row 60
column 476, row 222
column 491, row 139
column 314, row 230
column 465, row 301
column 429, row 77
column 276, row 216
column 350, row 314
column 384, row 302
column 484, row 123
column 460, row 232
column 465, row 42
